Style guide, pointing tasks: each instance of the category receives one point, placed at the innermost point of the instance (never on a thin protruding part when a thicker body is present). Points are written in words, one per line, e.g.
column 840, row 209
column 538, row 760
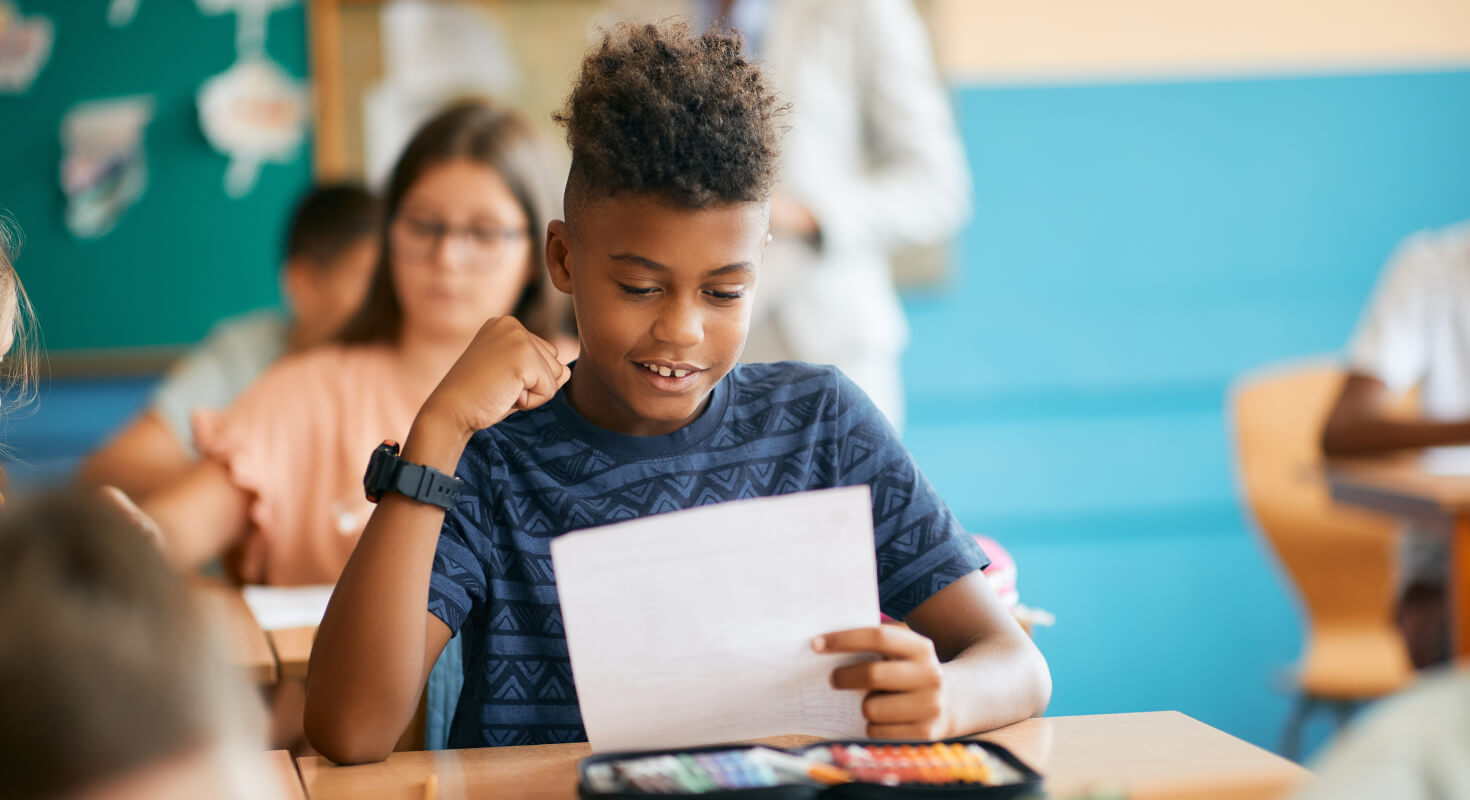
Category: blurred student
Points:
column 873, row 166
column 113, row 691
column 1410, row 747
column 331, row 248
column 279, row 483
column 1414, row 333
column 674, row 142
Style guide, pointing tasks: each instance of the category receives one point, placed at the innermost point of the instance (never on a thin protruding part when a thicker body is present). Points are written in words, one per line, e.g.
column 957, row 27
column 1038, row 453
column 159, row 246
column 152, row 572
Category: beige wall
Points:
column 1004, row 41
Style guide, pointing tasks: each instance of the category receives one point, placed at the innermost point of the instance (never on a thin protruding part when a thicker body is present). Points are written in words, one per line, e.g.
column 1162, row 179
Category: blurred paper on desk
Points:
column 277, row 607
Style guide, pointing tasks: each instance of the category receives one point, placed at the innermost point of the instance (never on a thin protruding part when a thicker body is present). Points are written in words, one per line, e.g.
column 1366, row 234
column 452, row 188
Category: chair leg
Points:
column 1291, row 737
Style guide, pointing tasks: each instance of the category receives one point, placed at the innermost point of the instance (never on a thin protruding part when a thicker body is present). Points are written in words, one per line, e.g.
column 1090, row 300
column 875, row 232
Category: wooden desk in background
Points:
column 1161, row 755
column 248, row 646
column 290, row 779
column 1401, row 487
column 293, row 650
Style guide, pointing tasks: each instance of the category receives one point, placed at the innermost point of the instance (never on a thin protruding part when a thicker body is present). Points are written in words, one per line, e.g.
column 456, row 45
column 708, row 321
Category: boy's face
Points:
column 663, row 298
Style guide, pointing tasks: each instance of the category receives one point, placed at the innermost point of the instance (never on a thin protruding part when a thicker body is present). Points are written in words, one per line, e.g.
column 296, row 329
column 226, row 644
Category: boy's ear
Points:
column 558, row 252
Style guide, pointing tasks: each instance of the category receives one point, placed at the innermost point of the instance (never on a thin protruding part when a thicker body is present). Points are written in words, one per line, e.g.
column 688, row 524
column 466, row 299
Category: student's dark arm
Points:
column 378, row 641
column 1360, row 424
column 367, row 669
column 963, row 666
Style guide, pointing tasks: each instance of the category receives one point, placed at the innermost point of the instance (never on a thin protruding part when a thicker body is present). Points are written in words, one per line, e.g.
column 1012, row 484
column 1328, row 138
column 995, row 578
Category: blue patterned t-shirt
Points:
column 769, row 429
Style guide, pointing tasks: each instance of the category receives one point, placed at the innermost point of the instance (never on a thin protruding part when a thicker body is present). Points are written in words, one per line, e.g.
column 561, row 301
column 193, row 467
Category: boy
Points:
column 674, row 154
column 1415, row 332
column 331, row 250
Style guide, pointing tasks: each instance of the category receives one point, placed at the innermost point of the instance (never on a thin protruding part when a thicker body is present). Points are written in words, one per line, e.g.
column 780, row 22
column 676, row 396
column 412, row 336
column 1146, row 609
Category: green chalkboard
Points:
column 186, row 254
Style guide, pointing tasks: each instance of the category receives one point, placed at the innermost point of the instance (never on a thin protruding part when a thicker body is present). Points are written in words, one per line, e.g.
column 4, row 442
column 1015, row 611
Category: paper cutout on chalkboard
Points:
column 433, row 52
column 121, row 12
column 25, row 46
column 250, row 22
column 253, row 112
column 103, row 166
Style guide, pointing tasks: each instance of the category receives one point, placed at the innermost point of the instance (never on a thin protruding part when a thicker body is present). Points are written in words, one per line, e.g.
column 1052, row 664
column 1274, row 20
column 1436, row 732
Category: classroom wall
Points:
column 1135, row 246
column 186, row 254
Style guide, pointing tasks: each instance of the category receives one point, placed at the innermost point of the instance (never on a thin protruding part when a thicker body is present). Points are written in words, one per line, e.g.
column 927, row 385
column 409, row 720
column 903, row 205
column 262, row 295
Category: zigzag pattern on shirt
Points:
column 787, row 428
column 525, row 680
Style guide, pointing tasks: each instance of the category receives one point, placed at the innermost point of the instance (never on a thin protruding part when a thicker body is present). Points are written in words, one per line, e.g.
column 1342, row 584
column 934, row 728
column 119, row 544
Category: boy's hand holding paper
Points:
column 698, row 627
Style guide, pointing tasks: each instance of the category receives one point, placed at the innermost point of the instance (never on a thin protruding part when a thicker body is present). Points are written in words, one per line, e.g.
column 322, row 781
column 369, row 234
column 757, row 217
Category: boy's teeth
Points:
column 679, row 373
column 665, row 371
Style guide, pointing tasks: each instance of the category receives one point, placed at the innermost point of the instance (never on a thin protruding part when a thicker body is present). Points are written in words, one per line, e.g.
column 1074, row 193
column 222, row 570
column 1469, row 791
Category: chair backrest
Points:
column 1341, row 561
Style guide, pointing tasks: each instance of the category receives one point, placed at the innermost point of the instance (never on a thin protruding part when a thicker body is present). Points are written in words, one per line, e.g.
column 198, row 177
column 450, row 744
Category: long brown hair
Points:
column 496, row 138
column 17, row 367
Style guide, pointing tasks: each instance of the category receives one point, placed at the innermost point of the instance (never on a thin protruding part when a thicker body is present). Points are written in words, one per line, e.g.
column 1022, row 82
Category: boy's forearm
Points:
column 370, row 657
column 995, row 682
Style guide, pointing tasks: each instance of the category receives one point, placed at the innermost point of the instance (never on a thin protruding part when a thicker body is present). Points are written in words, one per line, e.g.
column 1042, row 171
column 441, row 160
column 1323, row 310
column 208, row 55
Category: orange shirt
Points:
column 298, row 440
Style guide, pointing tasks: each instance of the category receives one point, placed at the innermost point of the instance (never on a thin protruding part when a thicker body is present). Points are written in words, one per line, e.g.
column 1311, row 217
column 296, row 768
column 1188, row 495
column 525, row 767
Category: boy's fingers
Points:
column 888, row 676
column 894, row 708
column 890, row 641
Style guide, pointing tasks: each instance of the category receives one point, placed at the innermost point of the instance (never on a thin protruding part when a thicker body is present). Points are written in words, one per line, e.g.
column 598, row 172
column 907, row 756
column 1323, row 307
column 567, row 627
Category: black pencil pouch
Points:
column 601, row 777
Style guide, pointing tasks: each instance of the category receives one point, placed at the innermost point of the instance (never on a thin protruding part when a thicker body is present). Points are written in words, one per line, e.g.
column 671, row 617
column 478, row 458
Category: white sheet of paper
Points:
column 695, row 627
column 277, row 607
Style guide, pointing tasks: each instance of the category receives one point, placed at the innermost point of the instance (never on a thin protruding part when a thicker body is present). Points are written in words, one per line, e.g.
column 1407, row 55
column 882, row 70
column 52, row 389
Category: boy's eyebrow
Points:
column 648, row 263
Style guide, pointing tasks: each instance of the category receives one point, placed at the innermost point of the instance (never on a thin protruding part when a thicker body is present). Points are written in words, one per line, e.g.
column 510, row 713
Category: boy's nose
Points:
column 679, row 324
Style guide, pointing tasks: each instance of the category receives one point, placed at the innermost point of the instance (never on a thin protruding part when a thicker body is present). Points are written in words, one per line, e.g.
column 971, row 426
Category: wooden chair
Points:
column 1340, row 561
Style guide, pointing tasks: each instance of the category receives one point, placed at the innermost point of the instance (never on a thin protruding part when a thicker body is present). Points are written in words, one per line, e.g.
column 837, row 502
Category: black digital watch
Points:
column 386, row 472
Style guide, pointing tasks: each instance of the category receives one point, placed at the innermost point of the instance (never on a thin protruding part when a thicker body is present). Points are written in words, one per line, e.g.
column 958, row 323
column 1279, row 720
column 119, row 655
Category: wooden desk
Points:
column 1160, row 755
column 1401, row 487
column 293, row 650
column 290, row 779
column 224, row 606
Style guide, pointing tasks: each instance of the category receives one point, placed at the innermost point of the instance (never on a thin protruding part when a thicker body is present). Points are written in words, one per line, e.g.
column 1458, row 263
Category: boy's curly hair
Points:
column 658, row 110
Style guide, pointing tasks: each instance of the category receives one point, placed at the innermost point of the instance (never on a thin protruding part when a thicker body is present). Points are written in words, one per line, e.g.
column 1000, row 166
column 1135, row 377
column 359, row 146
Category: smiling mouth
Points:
column 667, row 371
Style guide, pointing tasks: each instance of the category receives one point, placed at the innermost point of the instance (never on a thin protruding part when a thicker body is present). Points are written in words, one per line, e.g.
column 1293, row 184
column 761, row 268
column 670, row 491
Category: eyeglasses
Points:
column 481, row 244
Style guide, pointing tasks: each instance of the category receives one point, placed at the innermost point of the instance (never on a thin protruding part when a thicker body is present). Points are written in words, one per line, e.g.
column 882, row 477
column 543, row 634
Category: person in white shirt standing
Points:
column 872, row 164
column 1415, row 333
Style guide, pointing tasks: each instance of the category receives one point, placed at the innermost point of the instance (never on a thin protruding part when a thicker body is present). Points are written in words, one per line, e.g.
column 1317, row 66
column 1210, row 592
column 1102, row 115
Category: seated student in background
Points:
column 280, row 479
column 674, row 153
column 1415, row 332
column 331, row 248
column 111, row 688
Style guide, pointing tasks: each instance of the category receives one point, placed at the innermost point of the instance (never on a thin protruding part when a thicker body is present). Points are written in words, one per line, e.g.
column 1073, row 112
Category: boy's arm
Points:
column 1360, row 423
column 963, row 666
column 366, row 676
column 366, row 668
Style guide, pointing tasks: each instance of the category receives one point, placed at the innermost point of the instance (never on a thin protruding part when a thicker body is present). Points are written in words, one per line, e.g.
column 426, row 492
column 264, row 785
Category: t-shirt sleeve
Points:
column 211, row 375
column 458, row 584
column 1392, row 340
column 921, row 547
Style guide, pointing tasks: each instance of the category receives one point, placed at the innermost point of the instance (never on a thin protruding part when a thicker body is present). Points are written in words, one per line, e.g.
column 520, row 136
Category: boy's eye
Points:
column 726, row 295
column 638, row 290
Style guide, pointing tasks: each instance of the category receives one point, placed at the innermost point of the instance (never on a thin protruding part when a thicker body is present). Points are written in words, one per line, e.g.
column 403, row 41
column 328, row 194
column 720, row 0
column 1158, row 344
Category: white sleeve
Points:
column 1392, row 340
column 918, row 189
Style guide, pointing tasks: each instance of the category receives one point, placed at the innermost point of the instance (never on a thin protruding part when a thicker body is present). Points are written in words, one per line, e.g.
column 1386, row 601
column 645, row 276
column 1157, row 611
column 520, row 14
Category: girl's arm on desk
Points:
column 199, row 516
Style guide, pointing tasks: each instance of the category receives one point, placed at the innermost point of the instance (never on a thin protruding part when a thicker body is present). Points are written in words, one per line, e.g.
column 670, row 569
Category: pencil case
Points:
column 734, row 772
